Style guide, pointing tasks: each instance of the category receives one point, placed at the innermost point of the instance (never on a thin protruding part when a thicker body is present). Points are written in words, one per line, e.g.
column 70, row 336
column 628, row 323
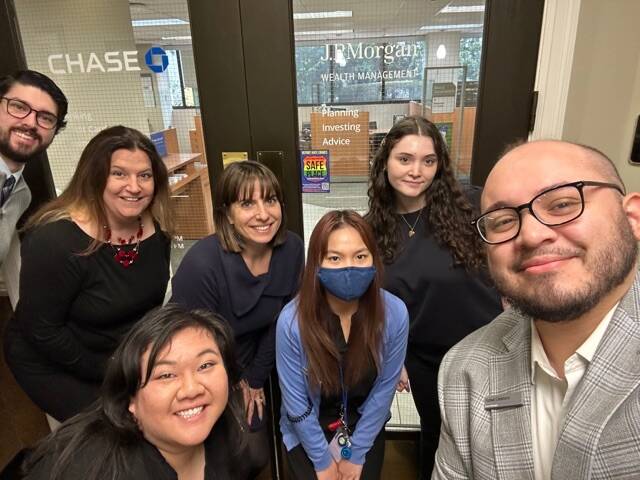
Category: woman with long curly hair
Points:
column 421, row 217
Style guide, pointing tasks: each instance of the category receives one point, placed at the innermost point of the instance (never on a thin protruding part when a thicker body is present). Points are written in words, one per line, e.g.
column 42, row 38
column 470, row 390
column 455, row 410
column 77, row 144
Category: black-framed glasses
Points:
column 553, row 207
column 19, row 109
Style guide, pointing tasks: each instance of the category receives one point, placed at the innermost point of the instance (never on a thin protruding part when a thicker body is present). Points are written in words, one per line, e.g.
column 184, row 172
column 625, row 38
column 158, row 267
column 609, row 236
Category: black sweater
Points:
column 445, row 302
column 144, row 462
column 74, row 309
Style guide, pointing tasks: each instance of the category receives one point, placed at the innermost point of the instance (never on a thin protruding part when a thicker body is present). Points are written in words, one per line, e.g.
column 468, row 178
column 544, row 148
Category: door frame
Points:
column 506, row 99
column 247, row 87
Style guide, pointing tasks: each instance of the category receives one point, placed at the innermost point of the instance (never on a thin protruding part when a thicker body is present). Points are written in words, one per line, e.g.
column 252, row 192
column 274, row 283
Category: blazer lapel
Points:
column 610, row 378
column 510, row 378
column 19, row 186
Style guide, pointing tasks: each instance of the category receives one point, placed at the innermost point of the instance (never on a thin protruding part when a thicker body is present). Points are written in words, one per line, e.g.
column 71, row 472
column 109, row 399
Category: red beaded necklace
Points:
column 122, row 256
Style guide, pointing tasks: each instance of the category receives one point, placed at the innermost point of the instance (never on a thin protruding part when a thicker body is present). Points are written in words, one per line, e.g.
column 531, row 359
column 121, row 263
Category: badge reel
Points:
column 340, row 445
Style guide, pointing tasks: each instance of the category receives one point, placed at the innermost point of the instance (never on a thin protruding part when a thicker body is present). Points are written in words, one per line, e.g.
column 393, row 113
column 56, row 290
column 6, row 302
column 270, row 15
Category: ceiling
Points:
column 370, row 18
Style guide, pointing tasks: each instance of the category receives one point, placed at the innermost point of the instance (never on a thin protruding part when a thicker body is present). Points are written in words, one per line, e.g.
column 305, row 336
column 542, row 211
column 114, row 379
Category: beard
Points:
column 545, row 299
column 20, row 156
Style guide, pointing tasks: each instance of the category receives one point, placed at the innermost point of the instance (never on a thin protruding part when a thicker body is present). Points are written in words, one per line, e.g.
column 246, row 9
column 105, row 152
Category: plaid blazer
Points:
column 600, row 436
column 10, row 213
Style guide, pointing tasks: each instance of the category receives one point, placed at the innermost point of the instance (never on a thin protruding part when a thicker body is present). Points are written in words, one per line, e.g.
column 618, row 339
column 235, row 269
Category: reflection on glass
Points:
column 127, row 64
column 358, row 74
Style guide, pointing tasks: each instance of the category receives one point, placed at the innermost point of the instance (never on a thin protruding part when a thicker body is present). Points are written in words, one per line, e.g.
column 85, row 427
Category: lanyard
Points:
column 342, row 438
column 345, row 419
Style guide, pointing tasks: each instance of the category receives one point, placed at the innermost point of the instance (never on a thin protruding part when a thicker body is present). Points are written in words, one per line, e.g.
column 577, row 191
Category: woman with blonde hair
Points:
column 94, row 261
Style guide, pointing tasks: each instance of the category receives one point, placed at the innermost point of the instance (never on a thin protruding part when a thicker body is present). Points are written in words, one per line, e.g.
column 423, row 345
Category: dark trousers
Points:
column 301, row 467
column 56, row 391
column 258, row 449
column 423, row 376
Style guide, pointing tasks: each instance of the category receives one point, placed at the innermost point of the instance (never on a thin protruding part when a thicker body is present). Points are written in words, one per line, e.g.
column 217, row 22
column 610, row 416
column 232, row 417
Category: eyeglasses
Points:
column 19, row 109
column 553, row 207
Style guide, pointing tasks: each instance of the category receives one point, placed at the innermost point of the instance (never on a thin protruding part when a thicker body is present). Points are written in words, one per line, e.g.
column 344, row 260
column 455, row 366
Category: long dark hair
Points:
column 447, row 209
column 86, row 188
column 365, row 336
column 109, row 424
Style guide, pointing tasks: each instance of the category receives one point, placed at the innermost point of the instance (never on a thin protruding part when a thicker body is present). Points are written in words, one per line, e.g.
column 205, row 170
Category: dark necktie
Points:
column 7, row 188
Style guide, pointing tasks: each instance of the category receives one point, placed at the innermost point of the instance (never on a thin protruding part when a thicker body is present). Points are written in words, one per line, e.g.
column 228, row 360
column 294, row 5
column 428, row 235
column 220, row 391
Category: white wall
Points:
column 603, row 102
column 96, row 99
column 182, row 121
column 179, row 118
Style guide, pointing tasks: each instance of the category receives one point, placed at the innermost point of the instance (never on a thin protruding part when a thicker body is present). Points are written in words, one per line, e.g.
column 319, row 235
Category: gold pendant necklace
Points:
column 412, row 228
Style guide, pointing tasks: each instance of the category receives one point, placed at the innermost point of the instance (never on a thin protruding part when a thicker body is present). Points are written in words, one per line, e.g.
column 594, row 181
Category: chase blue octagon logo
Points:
column 156, row 59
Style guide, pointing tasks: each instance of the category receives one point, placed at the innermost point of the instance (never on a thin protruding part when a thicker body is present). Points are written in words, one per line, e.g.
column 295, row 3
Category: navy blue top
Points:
column 211, row 278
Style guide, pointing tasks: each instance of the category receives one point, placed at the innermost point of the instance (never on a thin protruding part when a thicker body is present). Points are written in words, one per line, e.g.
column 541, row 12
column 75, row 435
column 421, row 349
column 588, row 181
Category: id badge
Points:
column 340, row 446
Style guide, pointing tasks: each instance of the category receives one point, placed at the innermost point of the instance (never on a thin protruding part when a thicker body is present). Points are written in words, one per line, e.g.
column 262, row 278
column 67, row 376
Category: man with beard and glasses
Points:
column 32, row 111
column 551, row 388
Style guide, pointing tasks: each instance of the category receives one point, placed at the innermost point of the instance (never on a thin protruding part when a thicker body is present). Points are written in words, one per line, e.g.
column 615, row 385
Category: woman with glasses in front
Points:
column 434, row 260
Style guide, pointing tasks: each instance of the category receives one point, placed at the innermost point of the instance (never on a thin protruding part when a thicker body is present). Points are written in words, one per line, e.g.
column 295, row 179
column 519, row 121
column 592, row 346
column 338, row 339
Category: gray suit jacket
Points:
column 10, row 213
column 600, row 437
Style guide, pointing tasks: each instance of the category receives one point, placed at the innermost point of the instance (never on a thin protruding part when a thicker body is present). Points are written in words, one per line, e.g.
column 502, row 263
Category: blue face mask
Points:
column 346, row 283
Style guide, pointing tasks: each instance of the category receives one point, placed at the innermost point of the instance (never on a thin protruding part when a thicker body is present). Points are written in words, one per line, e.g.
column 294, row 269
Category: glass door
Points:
column 126, row 63
column 360, row 67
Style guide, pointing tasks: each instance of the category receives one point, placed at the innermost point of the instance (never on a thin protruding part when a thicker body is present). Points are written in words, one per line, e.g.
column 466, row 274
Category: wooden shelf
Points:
column 177, row 161
column 185, row 181
column 190, row 196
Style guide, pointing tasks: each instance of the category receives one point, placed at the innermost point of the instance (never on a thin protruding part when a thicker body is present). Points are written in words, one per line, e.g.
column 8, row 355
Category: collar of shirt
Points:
column 586, row 351
column 4, row 169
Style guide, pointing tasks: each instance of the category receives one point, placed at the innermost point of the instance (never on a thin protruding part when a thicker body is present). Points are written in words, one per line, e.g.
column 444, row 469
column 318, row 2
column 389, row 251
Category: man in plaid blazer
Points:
column 551, row 388
column 32, row 111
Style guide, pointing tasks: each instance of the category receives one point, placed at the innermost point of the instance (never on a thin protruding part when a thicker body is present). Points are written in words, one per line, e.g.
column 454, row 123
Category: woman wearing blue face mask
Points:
column 340, row 346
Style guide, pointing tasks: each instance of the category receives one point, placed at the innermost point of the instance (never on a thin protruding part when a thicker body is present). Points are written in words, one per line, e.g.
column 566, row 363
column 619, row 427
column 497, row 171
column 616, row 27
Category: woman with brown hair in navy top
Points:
column 246, row 272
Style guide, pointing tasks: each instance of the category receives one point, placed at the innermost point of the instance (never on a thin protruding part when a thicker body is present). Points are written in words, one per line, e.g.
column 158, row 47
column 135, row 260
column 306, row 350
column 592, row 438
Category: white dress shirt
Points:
column 551, row 395
column 4, row 169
